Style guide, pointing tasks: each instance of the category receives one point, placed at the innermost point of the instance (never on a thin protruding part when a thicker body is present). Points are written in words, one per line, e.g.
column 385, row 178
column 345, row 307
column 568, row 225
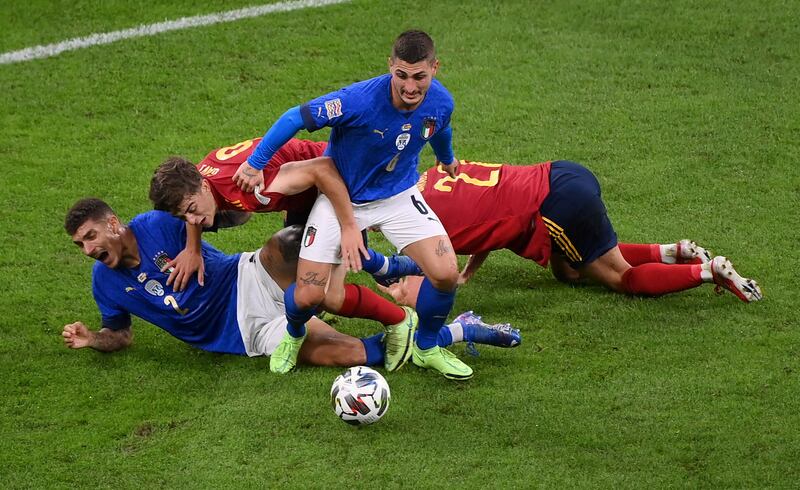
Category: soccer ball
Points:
column 360, row 396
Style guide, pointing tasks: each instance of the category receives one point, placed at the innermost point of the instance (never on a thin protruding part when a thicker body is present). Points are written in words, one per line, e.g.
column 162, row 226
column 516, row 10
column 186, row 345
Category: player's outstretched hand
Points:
column 183, row 268
column 451, row 168
column 405, row 291
column 352, row 248
column 77, row 336
column 248, row 177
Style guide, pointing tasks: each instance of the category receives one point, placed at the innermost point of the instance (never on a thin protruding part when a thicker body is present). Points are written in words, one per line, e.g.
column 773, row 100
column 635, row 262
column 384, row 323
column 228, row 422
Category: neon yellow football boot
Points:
column 398, row 341
column 441, row 360
column 284, row 357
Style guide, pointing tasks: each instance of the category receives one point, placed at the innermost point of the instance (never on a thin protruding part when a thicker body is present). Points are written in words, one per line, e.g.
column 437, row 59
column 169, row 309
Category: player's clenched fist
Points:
column 77, row 336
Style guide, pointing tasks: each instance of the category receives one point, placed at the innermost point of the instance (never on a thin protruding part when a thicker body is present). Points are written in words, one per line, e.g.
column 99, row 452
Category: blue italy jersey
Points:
column 375, row 146
column 204, row 317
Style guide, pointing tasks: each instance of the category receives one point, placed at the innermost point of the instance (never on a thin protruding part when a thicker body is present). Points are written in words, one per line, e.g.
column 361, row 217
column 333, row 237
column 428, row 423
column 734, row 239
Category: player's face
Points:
column 100, row 240
column 200, row 208
column 410, row 82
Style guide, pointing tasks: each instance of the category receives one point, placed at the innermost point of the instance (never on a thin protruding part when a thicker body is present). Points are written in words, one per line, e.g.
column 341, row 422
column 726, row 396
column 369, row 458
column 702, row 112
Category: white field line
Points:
column 49, row 50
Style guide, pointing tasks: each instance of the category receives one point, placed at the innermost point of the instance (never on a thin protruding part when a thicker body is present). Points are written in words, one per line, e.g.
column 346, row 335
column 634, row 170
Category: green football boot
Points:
column 284, row 357
column 443, row 361
column 398, row 341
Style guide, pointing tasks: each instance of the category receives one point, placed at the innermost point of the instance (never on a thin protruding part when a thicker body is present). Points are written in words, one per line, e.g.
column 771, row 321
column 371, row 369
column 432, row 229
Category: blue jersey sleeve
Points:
column 282, row 131
column 340, row 108
column 112, row 315
column 442, row 144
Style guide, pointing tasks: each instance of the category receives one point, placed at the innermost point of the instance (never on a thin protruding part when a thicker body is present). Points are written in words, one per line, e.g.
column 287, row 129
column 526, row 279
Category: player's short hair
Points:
column 88, row 208
column 289, row 242
column 413, row 47
column 173, row 181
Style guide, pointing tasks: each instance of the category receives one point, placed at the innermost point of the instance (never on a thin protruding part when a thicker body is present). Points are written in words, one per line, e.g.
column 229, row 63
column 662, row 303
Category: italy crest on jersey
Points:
column 311, row 233
column 161, row 259
column 428, row 127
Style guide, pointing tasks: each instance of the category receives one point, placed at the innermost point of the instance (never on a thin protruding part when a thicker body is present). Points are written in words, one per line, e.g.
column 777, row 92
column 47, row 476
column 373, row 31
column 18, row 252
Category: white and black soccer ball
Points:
column 360, row 396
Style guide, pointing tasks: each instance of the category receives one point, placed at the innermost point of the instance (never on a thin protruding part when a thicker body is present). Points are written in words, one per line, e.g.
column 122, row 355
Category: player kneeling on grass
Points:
column 553, row 212
column 238, row 311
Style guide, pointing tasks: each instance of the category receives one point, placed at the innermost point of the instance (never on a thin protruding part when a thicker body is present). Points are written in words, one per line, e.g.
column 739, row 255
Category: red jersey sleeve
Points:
column 219, row 167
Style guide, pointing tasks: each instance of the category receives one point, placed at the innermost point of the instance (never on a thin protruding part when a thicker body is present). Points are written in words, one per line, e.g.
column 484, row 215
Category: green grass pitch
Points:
column 687, row 112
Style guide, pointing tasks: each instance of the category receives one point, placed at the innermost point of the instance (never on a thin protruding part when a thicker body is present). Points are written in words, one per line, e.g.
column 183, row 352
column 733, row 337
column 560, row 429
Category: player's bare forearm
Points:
column 194, row 235
column 474, row 262
column 190, row 261
column 77, row 336
column 329, row 182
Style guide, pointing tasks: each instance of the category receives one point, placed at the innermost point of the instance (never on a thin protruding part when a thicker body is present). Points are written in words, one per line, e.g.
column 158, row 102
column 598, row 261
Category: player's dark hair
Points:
column 89, row 208
column 413, row 47
column 173, row 181
column 289, row 242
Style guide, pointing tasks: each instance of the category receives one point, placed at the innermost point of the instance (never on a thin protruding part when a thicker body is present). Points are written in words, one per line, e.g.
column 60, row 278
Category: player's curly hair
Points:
column 413, row 47
column 89, row 208
column 172, row 182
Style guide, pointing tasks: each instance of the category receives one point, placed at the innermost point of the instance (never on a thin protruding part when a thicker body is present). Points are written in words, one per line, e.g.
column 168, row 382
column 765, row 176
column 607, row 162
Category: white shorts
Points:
column 259, row 307
column 404, row 218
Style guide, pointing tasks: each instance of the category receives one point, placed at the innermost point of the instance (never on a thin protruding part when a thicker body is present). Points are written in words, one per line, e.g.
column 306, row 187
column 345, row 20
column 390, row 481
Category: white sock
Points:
column 456, row 331
column 668, row 252
column 384, row 268
column 705, row 273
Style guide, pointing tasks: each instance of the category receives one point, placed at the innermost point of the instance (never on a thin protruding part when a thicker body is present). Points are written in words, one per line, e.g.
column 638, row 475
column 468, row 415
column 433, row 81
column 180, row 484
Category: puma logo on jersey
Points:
column 376, row 131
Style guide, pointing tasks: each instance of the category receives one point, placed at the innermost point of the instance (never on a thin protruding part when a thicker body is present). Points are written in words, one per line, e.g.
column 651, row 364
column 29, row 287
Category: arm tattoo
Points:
column 442, row 248
column 313, row 279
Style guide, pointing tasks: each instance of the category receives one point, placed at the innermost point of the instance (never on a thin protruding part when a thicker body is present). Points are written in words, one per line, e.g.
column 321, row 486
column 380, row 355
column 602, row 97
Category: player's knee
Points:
column 445, row 280
column 306, row 296
column 614, row 285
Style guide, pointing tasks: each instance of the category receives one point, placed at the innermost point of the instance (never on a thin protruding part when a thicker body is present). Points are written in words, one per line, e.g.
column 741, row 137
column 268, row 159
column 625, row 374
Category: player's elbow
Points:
column 122, row 340
column 323, row 170
column 126, row 338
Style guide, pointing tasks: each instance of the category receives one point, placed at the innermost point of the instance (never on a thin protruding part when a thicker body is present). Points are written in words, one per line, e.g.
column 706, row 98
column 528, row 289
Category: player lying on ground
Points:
column 379, row 127
column 556, row 207
column 238, row 311
column 205, row 196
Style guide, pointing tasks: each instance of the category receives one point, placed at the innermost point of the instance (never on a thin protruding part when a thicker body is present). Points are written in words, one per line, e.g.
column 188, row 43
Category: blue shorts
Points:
column 575, row 215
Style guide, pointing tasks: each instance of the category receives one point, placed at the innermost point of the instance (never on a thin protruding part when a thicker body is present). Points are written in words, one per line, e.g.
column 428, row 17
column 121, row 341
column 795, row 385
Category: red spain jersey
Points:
column 219, row 167
column 491, row 206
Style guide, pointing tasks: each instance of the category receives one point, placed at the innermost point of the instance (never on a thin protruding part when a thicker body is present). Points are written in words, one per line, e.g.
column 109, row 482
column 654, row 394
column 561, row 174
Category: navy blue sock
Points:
column 374, row 348
column 433, row 306
column 444, row 339
column 390, row 267
column 296, row 318
column 374, row 262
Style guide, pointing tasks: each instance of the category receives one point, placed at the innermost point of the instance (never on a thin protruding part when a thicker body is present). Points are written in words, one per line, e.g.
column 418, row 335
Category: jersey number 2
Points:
column 171, row 301
column 445, row 184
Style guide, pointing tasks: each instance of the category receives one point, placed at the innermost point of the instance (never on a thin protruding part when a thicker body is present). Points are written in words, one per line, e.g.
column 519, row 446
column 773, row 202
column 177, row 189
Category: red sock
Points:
column 362, row 302
column 638, row 254
column 658, row 279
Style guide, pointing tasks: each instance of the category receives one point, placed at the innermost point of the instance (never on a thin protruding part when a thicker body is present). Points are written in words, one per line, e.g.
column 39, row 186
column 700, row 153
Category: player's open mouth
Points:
column 102, row 257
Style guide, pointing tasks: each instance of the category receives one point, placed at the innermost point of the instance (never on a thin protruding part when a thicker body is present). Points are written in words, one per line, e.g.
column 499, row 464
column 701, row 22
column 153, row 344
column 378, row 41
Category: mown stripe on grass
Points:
column 38, row 52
